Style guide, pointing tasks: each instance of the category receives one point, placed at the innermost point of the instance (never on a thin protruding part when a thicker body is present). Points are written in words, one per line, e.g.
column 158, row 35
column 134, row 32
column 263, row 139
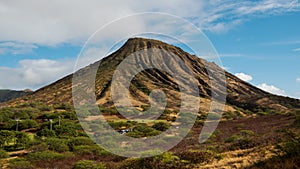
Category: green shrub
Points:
column 3, row 154
column 38, row 147
column 88, row 164
column 46, row 133
column 78, row 141
column 243, row 143
column 69, row 115
column 19, row 163
column 161, row 126
column 66, row 129
column 232, row 138
column 142, row 130
column 167, row 158
column 90, row 150
column 196, row 157
column 247, row 132
column 56, row 144
column 157, row 162
column 6, row 137
column 64, row 106
column 45, row 156
column 120, row 124
column 22, row 139
column 26, row 124
column 290, row 147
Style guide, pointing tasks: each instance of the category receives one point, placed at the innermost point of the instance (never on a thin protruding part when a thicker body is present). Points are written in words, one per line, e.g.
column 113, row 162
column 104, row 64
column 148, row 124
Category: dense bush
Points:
column 6, row 137
column 232, row 138
column 166, row 161
column 196, row 157
column 26, row 124
column 242, row 140
column 69, row 115
column 87, row 164
column 117, row 125
column 46, row 156
column 58, row 145
column 38, row 146
column 90, row 150
column 67, row 129
column 19, row 164
column 10, row 124
column 161, row 126
column 287, row 154
column 64, row 106
column 46, row 133
column 290, row 147
column 142, row 130
column 22, row 139
column 78, row 141
column 3, row 154
column 243, row 143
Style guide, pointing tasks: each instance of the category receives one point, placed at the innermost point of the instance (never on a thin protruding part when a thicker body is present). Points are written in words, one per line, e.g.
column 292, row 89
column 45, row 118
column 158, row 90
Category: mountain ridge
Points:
column 7, row 94
column 240, row 93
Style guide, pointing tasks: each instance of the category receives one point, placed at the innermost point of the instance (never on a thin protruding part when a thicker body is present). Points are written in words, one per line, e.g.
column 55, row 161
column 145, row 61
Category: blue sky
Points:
column 259, row 41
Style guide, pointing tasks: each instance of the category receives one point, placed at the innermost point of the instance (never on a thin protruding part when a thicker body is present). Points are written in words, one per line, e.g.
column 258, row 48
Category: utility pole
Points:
column 59, row 120
column 17, row 126
column 50, row 123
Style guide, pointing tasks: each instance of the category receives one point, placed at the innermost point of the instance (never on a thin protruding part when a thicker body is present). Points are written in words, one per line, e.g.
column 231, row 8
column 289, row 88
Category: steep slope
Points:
column 240, row 94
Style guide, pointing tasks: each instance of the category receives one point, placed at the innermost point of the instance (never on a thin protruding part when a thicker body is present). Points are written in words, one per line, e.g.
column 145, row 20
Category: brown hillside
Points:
column 240, row 94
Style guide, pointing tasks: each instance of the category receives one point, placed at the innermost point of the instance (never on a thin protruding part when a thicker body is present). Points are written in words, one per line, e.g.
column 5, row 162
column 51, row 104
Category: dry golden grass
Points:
column 241, row 158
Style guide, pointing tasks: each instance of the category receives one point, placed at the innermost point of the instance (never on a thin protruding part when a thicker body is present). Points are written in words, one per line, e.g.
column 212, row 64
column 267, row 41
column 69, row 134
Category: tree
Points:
column 26, row 124
column 56, row 144
column 3, row 154
column 161, row 126
column 46, row 133
column 6, row 137
column 67, row 129
column 22, row 139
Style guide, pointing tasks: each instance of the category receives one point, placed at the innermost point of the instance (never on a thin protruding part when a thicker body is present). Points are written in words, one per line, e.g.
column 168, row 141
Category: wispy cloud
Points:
column 298, row 79
column 231, row 55
column 34, row 73
column 244, row 76
column 296, row 50
column 264, row 86
column 16, row 48
column 272, row 89
column 56, row 22
column 222, row 15
column 288, row 42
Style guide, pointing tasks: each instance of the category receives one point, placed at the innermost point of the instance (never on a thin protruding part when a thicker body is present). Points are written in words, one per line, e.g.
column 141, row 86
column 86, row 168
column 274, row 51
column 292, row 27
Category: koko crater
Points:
column 257, row 129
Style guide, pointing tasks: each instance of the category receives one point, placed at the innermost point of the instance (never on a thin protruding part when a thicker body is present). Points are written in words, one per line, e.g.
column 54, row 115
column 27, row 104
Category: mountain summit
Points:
column 240, row 93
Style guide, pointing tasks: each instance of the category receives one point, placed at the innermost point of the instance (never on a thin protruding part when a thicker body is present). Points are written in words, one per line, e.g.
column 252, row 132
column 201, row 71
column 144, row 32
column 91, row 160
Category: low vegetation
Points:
column 51, row 136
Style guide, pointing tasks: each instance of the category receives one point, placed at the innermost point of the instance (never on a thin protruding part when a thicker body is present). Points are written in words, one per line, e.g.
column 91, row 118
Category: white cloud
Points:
column 296, row 50
column 25, row 25
column 298, row 79
column 223, row 15
column 55, row 22
column 225, row 68
column 272, row 89
column 244, row 76
column 16, row 48
column 34, row 73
